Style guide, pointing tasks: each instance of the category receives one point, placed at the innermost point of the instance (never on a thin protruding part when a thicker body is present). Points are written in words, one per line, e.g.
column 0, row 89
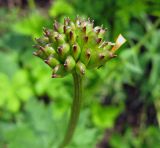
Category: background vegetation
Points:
column 122, row 100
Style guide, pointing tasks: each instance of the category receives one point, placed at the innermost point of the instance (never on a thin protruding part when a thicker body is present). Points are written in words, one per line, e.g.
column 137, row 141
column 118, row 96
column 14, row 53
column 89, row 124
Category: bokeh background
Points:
column 121, row 106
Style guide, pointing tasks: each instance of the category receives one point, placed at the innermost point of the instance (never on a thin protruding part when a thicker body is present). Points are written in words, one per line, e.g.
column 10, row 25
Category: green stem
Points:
column 75, row 110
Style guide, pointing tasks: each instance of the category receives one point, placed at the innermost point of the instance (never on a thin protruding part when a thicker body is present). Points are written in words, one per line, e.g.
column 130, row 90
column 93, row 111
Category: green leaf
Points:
column 56, row 8
column 10, row 60
column 104, row 117
column 30, row 25
column 22, row 86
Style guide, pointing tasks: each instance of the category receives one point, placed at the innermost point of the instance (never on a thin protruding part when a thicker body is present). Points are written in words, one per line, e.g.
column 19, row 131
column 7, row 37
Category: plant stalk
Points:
column 75, row 110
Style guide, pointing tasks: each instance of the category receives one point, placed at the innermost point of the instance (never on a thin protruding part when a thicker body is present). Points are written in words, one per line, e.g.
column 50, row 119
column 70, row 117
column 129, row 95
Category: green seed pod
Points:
column 58, row 27
column 67, row 21
column 48, row 50
column 85, row 56
column 60, row 39
column 67, row 30
column 88, row 26
column 52, row 62
column 72, row 37
column 69, row 63
column 104, row 57
column 99, row 31
column 42, row 41
column 80, row 68
column 40, row 54
column 72, row 25
column 51, row 35
column 63, row 51
column 75, row 46
column 95, row 56
column 59, row 71
column 92, row 40
column 75, row 51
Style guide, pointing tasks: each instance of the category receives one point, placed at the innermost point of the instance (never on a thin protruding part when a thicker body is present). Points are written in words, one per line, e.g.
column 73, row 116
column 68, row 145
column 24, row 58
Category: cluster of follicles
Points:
column 75, row 46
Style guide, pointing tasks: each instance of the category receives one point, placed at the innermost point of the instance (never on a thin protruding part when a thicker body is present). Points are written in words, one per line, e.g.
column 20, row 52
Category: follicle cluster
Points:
column 75, row 46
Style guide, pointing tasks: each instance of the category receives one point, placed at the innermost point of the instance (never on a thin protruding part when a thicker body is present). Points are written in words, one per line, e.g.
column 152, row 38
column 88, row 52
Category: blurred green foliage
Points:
column 34, row 108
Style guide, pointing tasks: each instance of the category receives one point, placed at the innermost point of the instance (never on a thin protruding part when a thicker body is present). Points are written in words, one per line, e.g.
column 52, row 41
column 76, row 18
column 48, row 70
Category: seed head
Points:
column 75, row 46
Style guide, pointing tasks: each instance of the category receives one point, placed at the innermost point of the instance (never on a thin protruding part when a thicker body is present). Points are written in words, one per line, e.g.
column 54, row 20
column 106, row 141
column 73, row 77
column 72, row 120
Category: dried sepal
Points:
column 119, row 42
